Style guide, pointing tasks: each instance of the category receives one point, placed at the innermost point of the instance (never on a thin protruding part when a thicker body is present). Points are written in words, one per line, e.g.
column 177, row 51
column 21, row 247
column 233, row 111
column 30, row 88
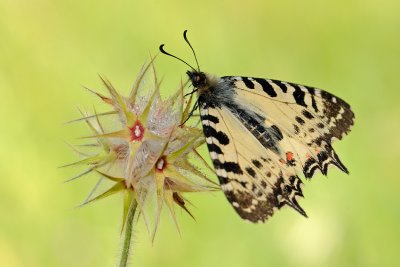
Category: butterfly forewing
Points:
column 309, row 118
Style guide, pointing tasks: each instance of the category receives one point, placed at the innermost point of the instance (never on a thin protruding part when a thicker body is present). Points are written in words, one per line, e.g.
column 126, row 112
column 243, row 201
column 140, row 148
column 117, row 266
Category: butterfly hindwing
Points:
column 252, row 178
column 261, row 133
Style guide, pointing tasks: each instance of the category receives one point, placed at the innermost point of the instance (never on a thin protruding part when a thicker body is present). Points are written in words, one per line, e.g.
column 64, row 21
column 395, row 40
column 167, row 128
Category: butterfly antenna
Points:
column 168, row 54
column 191, row 47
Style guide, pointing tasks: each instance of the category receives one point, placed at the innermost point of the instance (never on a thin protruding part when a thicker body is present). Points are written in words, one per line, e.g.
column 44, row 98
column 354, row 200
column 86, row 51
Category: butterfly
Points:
column 262, row 134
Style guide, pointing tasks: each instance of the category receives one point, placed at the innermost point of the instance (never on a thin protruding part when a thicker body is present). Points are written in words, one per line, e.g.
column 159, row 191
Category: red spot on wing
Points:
column 289, row 156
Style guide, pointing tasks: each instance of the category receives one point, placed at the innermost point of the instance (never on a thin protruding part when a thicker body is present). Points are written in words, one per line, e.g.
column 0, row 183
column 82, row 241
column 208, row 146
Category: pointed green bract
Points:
column 128, row 198
column 118, row 187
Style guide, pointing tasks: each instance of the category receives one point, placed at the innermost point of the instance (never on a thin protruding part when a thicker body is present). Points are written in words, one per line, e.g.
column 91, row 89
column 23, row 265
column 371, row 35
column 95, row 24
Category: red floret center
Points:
column 137, row 131
column 161, row 164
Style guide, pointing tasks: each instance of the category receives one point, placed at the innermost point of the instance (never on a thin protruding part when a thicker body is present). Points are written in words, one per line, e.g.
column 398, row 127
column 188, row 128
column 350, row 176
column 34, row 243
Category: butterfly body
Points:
column 262, row 133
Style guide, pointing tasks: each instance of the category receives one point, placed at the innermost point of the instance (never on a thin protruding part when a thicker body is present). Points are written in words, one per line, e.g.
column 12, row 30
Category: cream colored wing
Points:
column 254, row 179
column 261, row 133
column 310, row 119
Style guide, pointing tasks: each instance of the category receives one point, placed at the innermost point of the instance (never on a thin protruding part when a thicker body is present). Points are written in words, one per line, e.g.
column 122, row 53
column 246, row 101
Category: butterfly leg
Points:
column 191, row 93
column 196, row 105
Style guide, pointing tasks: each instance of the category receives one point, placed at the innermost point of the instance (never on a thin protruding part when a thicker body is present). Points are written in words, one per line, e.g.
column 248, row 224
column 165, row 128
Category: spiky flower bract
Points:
column 151, row 157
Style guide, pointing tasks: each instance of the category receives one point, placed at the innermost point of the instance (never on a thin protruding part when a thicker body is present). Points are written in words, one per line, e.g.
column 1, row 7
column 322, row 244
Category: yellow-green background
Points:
column 48, row 49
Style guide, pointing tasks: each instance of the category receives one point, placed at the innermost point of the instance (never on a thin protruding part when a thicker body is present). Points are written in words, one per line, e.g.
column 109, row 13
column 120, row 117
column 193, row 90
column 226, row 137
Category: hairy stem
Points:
column 128, row 234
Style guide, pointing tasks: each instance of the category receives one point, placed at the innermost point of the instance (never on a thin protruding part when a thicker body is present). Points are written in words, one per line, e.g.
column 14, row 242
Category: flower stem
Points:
column 128, row 234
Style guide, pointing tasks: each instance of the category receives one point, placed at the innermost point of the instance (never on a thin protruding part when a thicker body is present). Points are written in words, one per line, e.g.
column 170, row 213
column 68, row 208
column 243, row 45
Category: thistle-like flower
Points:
column 151, row 158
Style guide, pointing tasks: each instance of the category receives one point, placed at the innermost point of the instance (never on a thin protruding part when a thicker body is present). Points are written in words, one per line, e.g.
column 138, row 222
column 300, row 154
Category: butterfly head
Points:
column 198, row 78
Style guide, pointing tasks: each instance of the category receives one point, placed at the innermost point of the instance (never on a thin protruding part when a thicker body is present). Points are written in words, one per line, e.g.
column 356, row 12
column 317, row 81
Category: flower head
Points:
column 150, row 155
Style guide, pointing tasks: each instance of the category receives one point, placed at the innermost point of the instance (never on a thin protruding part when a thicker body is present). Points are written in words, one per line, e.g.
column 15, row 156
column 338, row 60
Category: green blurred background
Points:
column 49, row 49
